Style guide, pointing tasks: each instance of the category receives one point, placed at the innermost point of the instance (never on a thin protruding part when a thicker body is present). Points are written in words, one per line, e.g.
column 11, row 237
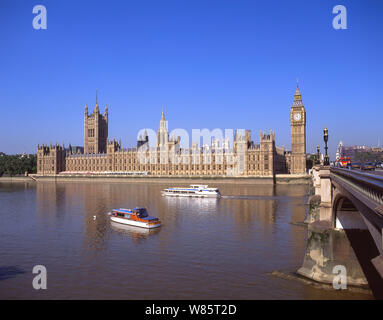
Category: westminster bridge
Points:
column 345, row 223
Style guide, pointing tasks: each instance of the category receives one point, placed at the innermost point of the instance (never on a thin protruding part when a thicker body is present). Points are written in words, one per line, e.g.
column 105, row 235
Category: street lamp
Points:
column 318, row 154
column 325, row 138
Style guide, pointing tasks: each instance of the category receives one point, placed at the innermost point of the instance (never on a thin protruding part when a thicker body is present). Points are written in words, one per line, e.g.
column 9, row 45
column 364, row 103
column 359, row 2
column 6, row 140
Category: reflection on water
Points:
column 206, row 248
column 135, row 233
column 197, row 204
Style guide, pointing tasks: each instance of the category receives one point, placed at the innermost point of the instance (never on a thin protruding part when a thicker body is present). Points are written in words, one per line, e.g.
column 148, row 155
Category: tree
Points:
column 17, row 164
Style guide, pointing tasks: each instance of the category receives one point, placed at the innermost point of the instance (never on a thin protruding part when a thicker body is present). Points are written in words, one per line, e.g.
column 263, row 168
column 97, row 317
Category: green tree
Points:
column 17, row 164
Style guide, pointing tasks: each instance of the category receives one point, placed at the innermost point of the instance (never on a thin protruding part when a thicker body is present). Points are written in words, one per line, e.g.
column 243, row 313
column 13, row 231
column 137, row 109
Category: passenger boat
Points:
column 195, row 190
column 135, row 217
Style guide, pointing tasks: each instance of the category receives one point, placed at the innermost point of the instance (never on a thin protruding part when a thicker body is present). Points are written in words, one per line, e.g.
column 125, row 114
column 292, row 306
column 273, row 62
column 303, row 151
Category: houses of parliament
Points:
column 99, row 155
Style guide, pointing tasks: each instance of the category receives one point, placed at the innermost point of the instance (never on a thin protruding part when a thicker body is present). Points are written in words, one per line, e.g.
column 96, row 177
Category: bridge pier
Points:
column 327, row 246
column 326, row 249
column 321, row 201
column 325, row 208
column 316, row 180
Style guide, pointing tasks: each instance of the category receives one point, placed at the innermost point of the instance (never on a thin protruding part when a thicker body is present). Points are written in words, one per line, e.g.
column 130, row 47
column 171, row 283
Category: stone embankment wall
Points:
column 178, row 179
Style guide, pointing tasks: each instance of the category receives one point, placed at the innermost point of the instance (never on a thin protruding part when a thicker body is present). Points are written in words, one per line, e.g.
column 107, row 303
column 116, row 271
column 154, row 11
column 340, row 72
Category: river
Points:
column 206, row 248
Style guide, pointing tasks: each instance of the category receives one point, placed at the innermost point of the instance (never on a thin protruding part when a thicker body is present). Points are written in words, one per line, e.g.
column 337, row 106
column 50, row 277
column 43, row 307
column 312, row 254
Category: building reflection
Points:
column 50, row 200
column 251, row 204
column 97, row 199
column 196, row 204
column 296, row 209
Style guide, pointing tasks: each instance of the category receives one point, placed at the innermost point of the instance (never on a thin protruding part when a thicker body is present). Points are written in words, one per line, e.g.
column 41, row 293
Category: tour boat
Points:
column 195, row 190
column 135, row 217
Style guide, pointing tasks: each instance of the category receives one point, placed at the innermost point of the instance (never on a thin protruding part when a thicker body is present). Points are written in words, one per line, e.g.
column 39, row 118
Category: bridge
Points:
column 345, row 223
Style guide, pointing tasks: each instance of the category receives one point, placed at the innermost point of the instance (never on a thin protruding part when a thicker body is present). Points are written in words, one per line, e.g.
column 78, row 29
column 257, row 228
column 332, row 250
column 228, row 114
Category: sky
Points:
column 210, row 64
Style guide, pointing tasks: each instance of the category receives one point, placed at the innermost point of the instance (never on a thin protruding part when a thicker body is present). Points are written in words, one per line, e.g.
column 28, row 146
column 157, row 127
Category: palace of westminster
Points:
column 244, row 158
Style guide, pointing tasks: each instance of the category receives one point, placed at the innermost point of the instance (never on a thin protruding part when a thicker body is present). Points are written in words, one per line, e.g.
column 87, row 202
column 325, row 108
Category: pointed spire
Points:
column 96, row 109
column 163, row 114
column 297, row 94
column 106, row 112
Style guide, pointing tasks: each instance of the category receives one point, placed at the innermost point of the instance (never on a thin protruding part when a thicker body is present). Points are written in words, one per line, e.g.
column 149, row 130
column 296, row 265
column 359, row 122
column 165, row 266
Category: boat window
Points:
column 142, row 213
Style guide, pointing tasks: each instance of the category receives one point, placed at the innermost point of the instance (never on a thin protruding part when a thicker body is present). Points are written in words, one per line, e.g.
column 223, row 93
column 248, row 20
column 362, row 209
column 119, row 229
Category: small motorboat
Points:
column 135, row 217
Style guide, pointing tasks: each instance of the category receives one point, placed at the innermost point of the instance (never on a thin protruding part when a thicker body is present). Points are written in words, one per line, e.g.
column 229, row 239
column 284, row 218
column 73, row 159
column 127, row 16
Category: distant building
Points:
column 339, row 151
column 243, row 158
column 356, row 152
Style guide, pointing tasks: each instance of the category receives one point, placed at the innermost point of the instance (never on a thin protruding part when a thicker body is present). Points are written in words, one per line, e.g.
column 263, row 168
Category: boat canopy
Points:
column 124, row 210
column 139, row 210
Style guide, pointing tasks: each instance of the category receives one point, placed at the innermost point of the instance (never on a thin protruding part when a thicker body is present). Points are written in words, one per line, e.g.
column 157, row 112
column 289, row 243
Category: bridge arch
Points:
column 345, row 213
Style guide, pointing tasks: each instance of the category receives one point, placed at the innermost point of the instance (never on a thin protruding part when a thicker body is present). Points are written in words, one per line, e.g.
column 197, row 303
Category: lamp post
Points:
column 318, row 154
column 325, row 138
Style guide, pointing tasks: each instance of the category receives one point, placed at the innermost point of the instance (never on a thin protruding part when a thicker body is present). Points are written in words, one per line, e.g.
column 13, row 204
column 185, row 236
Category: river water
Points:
column 206, row 248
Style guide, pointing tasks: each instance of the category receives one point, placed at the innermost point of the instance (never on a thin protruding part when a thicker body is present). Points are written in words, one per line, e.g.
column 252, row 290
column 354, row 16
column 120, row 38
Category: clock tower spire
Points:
column 298, row 134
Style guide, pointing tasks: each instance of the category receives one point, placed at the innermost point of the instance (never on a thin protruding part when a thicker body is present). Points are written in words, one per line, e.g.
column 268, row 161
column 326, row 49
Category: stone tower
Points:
column 95, row 130
column 242, row 141
column 267, row 148
column 163, row 134
column 298, row 135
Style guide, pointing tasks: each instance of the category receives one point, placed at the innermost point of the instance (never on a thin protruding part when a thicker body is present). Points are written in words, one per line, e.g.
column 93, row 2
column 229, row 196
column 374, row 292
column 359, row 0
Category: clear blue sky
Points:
column 212, row 64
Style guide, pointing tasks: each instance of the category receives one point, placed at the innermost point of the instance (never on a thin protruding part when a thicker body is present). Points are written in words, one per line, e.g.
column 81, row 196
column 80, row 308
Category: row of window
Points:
column 150, row 167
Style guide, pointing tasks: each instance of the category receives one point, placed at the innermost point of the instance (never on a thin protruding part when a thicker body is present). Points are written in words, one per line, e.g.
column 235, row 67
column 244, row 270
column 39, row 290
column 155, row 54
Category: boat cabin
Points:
column 130, row 213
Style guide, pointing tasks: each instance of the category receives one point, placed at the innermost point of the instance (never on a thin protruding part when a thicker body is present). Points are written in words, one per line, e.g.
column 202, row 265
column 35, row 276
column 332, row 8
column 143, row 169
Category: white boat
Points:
column 137, row 217
column 195, row 190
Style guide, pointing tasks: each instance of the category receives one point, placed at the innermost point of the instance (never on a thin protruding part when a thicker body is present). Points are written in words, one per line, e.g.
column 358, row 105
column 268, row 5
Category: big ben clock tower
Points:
column 298, row 135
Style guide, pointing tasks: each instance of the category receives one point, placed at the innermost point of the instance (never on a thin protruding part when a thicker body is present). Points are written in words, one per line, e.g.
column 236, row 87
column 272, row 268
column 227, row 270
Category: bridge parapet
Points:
column 368, row 185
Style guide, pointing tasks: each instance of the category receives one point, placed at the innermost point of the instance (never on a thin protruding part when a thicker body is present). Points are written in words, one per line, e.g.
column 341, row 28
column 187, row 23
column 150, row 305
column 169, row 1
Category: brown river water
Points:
column 206, row 248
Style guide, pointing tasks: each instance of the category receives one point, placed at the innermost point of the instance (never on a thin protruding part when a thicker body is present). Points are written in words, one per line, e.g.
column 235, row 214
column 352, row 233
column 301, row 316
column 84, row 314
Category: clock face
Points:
column 297, row 116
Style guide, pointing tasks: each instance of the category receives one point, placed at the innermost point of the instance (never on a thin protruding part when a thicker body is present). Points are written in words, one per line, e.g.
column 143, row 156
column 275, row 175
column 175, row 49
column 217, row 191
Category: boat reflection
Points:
column 136, row 233
column 200, row 204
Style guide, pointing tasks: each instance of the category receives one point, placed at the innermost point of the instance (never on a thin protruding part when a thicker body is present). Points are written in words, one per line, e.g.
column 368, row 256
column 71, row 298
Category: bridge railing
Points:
column 367, row 184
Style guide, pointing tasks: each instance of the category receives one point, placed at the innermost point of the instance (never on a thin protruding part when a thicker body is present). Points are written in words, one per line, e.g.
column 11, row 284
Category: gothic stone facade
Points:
column 244, row 158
